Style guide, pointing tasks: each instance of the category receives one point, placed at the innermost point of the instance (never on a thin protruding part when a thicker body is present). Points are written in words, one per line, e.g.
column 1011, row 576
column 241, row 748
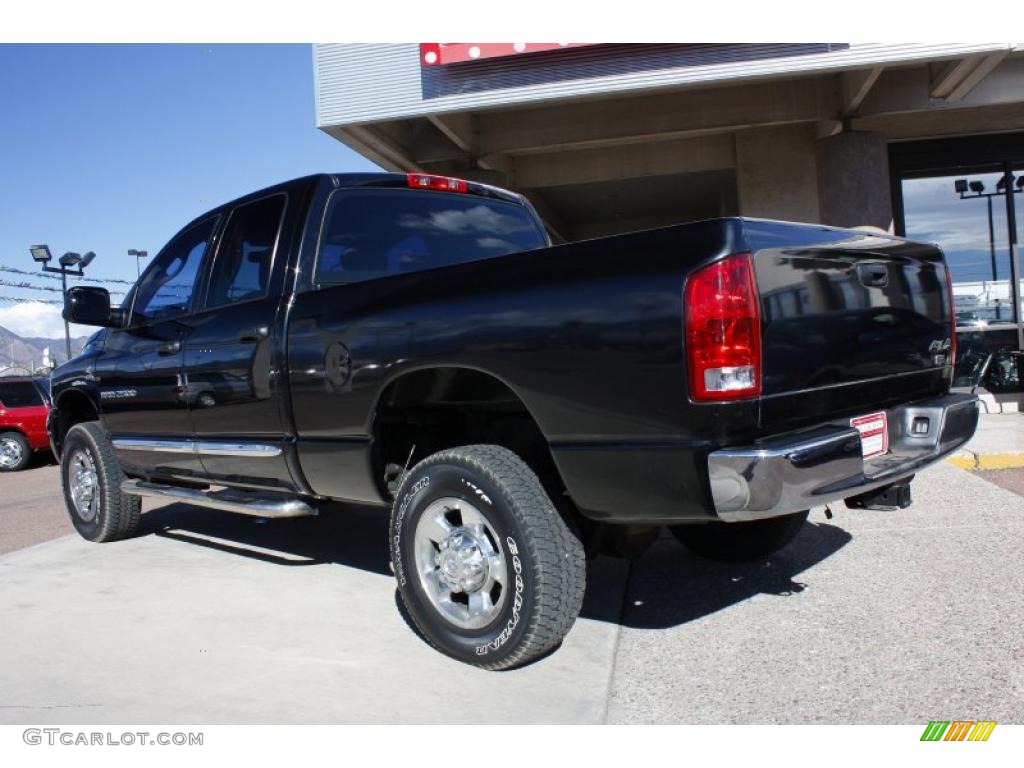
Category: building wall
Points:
column 776, row 173
column 853, row 180
column 613, row 137
column 359, row 83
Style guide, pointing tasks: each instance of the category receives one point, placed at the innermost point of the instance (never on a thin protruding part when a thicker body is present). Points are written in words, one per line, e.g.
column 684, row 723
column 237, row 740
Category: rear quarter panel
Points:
column 589, row 335
column 30, row 421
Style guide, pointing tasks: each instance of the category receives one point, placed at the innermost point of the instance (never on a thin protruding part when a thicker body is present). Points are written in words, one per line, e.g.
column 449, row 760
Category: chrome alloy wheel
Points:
column 461, row 563
column 11, row 452
column 84, row 485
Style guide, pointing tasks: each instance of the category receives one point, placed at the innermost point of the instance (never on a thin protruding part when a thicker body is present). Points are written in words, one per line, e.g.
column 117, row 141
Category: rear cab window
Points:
column 371, row 233
column 19, row 394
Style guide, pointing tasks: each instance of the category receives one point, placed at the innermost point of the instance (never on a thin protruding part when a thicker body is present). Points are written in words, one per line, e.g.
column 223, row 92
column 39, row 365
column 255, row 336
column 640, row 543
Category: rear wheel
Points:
column 92, row 479
column 487, row 569
column 736, row 542
column 15, row 453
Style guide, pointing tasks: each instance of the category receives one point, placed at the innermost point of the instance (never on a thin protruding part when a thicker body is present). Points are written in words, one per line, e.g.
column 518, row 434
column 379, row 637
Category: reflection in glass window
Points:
column 975, row 243
column 166, row 289
column 373, row 233
column 244, row 260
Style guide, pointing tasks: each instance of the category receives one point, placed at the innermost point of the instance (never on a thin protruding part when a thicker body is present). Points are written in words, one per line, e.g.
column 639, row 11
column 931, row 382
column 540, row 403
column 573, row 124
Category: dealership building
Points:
column 611, row 138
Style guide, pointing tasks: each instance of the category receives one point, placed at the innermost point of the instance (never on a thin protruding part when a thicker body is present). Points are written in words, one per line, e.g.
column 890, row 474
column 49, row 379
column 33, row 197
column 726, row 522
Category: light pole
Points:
column 42, row 255
column 1004, row 188
column 1006, row 183
column 139, row 256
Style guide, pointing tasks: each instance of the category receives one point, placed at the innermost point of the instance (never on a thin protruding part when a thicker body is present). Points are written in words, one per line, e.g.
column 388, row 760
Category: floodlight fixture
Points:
column 40, row 253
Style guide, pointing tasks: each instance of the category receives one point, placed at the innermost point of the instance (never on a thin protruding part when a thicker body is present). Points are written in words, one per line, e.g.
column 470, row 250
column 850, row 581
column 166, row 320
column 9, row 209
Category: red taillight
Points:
column 723, row 330
column 442, row 183
column 952, row 322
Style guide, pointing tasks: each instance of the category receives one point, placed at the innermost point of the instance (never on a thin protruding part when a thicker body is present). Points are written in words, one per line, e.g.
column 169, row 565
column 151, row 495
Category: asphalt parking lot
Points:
column 870, row 617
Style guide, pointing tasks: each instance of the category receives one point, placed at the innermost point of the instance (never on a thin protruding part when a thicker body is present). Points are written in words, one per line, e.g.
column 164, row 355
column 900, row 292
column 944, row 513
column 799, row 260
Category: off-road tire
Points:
column 738, row 542
column 544, row 554
column 26, row 452
column 118, row 513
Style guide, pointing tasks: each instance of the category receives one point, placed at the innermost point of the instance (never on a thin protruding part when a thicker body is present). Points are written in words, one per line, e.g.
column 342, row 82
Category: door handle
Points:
column 170, row 348
column 254, row 334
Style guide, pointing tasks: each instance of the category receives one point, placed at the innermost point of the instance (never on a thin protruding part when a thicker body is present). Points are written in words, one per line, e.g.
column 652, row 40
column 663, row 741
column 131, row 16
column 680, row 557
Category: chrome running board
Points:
column 228, row 500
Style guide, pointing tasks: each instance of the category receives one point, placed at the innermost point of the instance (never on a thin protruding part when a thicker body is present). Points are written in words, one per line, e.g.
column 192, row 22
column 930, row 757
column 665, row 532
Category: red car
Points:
column 24, row 404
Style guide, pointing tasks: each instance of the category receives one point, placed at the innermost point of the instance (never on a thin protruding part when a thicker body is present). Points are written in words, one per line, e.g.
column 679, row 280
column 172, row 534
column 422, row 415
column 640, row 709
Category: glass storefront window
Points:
column 978, row 256
column 966, row 214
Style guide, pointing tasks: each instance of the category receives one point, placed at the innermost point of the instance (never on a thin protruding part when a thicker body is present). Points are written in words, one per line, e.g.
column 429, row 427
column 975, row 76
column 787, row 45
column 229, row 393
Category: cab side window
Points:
column 242, row 268
column 166, row 289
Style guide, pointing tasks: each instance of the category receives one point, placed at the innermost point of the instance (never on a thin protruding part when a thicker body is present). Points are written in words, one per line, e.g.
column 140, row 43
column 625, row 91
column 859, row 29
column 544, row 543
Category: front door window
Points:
column 165, row 291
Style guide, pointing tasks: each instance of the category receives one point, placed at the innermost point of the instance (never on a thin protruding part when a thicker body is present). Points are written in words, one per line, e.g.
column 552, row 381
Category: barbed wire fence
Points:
column 79, row 278
column 29, row 286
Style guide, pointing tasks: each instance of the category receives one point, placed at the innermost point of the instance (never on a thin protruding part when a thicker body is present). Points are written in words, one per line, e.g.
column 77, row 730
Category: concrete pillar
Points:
column 776, row 173
column 853, row 180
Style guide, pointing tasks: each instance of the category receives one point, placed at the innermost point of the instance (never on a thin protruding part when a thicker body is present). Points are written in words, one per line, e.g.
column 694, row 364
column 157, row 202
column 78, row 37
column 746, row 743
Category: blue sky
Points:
column 107, row 148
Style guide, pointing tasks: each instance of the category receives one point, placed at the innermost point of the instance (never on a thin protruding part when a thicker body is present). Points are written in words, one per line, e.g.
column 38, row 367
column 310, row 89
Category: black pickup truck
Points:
column 414, row 342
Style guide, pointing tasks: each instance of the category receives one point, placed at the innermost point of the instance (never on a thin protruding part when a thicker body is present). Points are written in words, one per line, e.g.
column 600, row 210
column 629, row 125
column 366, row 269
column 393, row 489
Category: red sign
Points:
column 874, row 433
column 435, row 54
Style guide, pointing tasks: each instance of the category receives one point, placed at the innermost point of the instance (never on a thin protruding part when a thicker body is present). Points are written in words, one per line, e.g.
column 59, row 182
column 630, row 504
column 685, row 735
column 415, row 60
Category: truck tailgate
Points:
column 850, row 327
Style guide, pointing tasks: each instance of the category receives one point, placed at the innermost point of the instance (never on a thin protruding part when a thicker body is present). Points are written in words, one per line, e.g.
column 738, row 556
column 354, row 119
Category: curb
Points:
column 971, row 460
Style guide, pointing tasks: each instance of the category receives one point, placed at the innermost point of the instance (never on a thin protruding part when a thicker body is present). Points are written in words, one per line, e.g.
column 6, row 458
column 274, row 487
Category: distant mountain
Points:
column 57, row 345
column 25, row 352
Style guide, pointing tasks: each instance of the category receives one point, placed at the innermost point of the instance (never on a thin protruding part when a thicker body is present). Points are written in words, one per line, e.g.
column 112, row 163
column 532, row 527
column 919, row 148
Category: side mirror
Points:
column 89, row 305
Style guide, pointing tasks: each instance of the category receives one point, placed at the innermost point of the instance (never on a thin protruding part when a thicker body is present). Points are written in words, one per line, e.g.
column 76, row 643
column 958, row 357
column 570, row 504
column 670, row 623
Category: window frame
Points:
column 211, row 242
column 208, row 267
column 319, row 283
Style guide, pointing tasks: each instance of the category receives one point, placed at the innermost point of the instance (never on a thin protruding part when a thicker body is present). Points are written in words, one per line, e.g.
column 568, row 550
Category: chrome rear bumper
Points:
column 780, row 475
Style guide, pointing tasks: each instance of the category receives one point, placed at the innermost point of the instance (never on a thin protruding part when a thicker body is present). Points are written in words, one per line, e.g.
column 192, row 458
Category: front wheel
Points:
column 487, row 569
column 736, row 542
column 92, row 479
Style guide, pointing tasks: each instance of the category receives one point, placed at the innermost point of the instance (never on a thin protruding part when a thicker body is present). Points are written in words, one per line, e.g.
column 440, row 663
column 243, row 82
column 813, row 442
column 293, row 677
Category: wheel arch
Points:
column 70, row 407
column 430, row 408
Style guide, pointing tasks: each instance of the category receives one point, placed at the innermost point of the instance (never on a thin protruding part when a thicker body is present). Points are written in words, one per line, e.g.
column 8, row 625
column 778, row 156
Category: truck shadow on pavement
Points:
column 670, row 586
column 352, row 536
column 666, row 587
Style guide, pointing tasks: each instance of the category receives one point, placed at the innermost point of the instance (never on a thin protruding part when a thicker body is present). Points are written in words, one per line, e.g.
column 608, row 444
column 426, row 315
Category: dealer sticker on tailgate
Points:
column 874, row 433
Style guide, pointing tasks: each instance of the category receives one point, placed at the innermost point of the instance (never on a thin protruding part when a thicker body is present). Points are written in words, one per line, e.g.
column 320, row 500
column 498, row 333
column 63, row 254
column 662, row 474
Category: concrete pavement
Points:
column 872, row 617
column 30, row 506
column 208, row 617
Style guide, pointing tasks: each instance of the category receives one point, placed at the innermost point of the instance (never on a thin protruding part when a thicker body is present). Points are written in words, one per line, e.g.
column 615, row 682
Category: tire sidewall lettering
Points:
column 517, row 602
column 418, row 486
